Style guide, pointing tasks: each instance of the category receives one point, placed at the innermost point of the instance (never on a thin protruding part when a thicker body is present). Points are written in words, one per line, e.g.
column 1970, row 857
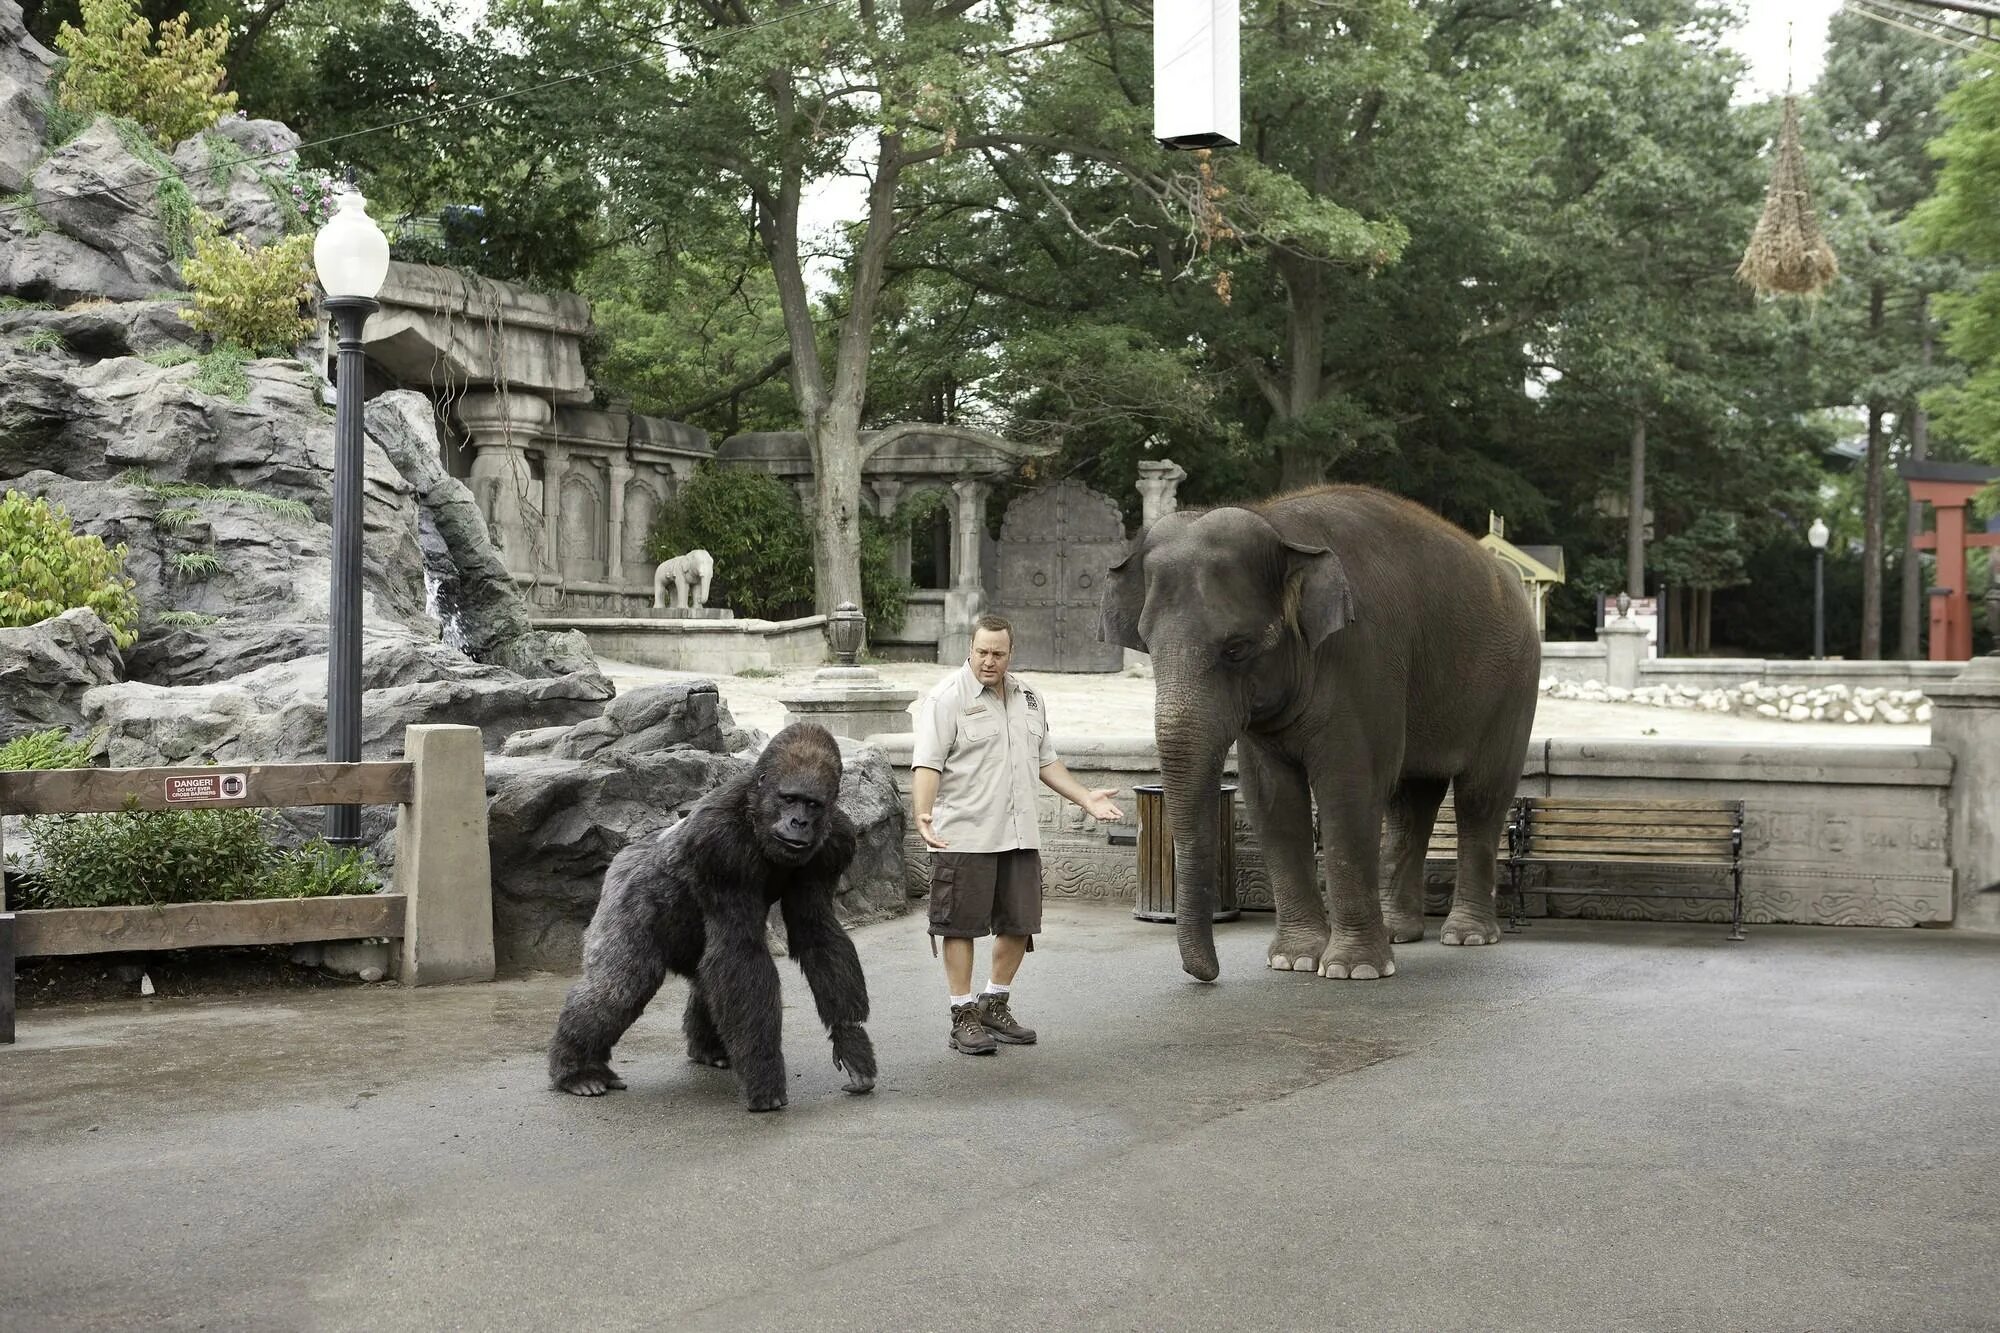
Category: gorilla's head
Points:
column 792, row 792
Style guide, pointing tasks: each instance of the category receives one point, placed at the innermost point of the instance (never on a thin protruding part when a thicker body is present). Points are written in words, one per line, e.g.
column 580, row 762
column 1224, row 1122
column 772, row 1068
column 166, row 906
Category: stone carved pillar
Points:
column 554, row 462
column 621, row 472
column 502, row 427
column 966, row 598
column 1965, row 719
column 888, row 494
column 1159, row 489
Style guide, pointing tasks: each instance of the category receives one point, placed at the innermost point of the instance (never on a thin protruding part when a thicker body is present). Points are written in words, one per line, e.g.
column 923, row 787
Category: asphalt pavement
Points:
column 1591, row 1126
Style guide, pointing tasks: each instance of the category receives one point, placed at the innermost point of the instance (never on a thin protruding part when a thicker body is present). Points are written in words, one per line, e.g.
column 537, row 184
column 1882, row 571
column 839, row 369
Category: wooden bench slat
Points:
column 86, row 930
column 1657, row 849
column 1632, row 833
column 1625, row 859
column 265, row 787
column 1541, row 803
column 1678, row 819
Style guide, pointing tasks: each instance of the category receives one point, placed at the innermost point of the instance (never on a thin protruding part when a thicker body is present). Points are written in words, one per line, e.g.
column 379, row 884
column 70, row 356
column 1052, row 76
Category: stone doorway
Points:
column 1056, row 546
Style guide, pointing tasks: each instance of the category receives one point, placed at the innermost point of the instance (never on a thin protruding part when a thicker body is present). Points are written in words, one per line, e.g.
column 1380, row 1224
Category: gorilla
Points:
column 694, row 901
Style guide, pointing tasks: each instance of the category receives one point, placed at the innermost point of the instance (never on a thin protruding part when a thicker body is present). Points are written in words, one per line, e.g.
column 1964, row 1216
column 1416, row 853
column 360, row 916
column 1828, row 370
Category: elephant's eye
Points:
column 1238, row 649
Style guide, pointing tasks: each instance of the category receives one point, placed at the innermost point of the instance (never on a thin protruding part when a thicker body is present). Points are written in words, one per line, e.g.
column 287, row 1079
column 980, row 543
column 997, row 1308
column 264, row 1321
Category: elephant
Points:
column 1361, row 652
column 690, row 575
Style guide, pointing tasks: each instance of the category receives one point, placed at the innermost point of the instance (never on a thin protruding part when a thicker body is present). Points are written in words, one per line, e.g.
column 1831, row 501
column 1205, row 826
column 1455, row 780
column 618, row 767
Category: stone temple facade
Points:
column 570, row 487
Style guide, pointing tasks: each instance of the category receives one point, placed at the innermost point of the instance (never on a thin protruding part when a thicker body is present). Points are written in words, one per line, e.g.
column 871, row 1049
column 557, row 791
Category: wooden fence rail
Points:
column 440, row 909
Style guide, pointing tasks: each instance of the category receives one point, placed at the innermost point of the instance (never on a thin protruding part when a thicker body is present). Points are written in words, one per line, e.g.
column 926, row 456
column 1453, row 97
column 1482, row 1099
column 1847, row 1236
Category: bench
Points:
column 1687, row 849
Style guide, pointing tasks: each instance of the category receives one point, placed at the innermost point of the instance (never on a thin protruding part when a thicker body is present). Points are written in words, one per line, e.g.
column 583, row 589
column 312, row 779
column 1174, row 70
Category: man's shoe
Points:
column 997, row 1019
column 968, row 1034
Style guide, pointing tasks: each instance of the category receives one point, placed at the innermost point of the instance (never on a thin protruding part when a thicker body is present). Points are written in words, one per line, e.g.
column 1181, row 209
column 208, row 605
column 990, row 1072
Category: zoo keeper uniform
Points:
column 989, row 752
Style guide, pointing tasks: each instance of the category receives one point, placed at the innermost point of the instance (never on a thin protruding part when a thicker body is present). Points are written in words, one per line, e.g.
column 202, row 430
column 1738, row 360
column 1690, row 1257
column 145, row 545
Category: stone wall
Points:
column 1834, row 834
column 712, row 647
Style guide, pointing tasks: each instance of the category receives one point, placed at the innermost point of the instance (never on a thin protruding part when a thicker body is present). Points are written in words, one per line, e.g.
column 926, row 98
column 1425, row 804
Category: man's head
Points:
column 992, row 648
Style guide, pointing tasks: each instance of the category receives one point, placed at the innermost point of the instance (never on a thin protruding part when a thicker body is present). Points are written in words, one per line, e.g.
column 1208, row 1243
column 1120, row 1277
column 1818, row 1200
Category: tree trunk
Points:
column 1871, row 542
column 1301, row 465
column 1704, row 601
column 1871, row 539
column 1635, row 521
column 1909, row 639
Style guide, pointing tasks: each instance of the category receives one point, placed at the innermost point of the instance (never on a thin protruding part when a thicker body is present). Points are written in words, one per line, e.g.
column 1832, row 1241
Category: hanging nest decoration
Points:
column 1787, row 254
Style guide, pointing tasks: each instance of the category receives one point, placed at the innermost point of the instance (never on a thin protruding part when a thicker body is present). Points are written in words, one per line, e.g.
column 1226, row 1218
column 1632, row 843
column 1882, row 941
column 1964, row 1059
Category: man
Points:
column 982, row 738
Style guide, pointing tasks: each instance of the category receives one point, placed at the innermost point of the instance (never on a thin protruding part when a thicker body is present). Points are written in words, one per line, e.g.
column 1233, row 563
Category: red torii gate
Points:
column 1948, row 489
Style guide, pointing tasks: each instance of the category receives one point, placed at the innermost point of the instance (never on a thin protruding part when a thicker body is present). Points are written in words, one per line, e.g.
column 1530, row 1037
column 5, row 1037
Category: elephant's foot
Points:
column 1296, row 950
column 1361, row 959
column 1404, row 927
column 1466, row 926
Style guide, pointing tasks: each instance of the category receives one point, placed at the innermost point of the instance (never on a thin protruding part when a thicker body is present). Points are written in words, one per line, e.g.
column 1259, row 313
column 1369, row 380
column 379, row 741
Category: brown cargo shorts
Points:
column 986, row 893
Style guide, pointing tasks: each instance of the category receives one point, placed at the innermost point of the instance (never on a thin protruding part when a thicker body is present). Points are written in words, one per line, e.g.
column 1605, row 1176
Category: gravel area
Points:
column 1091, row 706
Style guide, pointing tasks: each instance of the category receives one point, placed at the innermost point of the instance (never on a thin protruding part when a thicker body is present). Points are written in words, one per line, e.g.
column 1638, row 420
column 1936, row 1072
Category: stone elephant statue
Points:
column 689, row 574
column 1361, row 652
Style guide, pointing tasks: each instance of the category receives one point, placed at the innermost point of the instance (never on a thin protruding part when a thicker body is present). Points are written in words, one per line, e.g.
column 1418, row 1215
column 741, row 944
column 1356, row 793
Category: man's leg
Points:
column 961, row 907
column 1017, row 917
column 1008, row 951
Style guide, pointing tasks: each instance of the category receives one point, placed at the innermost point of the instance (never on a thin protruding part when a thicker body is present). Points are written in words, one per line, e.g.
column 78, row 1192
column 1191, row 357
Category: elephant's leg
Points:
column 1482, row 815
column 1412, row 813
column 1279, row 802
column 1350, row 815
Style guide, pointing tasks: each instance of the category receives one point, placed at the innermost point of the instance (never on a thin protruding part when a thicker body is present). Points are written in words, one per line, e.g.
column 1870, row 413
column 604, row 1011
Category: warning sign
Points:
column 207, row 787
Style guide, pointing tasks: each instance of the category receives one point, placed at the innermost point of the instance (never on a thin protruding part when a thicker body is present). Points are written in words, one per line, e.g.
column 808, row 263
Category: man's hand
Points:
column 930, row 838
column 1100, row 806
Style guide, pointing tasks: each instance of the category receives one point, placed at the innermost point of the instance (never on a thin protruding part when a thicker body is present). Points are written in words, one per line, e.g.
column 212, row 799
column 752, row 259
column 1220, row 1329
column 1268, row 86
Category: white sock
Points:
column 957, row 1000
column 995, row 988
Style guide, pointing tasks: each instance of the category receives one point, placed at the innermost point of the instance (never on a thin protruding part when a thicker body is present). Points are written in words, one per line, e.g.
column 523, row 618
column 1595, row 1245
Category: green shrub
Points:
column 176, row 518
column 194, row 564
column 45, row 749
column 166, row 358
column 115, row 67
column 43, row 340
column 47, row 569
column 251, row 297
column 751, row 523
column 221, row 372
column 188, row 619
column 180, row 856
column 29, row 219
column 190, row 490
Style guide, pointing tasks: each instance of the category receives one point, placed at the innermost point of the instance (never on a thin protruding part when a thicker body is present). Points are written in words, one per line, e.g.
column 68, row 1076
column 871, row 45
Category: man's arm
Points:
column 1097, row 804
column 923, row 795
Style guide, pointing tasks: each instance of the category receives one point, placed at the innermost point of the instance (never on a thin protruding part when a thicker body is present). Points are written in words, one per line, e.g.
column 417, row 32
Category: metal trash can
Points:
column 1156, row 856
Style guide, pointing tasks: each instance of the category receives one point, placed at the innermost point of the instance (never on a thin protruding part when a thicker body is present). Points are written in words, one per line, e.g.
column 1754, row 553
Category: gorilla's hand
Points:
column 854, row 1055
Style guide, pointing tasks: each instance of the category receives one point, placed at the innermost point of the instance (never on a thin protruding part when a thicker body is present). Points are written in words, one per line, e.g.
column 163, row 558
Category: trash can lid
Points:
column 1154, row 789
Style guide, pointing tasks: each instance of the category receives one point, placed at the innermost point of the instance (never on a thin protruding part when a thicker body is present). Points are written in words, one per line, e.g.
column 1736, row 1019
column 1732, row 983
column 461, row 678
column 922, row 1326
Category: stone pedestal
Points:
column 1624, row 649
column 850, row 701
column 1965, row 720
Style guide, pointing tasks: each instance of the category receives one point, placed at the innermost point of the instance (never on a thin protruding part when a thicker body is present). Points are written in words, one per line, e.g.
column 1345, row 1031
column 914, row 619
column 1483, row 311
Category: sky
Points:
column 1761, row 40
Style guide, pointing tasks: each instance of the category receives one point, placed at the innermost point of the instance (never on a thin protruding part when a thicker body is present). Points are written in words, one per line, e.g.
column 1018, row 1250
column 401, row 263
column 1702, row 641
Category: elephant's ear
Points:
column 1125, row 587
column 1318, row 601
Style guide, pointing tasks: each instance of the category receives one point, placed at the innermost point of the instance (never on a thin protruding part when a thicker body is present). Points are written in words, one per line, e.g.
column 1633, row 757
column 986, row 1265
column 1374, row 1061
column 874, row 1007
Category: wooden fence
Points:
column 440, row 907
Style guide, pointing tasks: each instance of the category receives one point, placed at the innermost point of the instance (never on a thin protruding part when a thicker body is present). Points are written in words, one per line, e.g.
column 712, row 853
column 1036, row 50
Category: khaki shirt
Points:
column 989, row 756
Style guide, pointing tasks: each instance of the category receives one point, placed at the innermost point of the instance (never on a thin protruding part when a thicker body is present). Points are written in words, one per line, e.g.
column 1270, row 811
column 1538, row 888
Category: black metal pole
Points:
column 1819, row 604
column 343, row 657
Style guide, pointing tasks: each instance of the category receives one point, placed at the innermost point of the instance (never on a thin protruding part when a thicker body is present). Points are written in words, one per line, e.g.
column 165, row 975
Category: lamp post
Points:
column 1817, row 535
column 352, row 257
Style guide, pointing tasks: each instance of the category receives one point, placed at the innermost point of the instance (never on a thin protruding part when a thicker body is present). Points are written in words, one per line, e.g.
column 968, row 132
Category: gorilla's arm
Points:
column 826, row 955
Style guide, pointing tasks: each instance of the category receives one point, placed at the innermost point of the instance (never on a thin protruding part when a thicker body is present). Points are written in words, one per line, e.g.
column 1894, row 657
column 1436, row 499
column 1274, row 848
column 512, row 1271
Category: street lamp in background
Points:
column 352, row 256
column 1817, row 535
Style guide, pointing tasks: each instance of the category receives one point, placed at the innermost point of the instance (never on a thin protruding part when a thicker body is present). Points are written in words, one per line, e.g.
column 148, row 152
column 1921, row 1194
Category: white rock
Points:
column 1798, row 713
column 1923, row 713
column 1895, row 717
column 1850, row 716
column 1767, row 710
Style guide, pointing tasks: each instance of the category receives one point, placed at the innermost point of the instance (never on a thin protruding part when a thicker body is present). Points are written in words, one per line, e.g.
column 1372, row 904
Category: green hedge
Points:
column 751, row 523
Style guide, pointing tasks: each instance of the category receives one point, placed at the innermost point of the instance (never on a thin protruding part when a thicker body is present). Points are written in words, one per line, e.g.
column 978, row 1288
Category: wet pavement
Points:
column 1591, row 1126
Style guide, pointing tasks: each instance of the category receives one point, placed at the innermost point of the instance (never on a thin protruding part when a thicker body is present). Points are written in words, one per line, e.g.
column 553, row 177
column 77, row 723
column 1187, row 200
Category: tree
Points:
column 1879, row 99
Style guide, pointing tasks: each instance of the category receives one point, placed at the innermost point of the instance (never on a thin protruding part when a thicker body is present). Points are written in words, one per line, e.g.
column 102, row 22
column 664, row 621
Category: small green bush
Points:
column 116, row 67
column 43, row 340
column 45, row 749
column 29, row 219
column 751, row 523
column 46, row 568
column 166, row 358
column 194, row 564
column 176, row 518
column 251, row 297
column 188, row 619
column 180, row 856
column 190, row 490
column 221, row 373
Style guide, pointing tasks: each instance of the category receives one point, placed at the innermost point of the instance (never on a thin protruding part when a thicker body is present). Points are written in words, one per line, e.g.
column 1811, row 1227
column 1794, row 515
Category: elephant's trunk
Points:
column 1192, row 746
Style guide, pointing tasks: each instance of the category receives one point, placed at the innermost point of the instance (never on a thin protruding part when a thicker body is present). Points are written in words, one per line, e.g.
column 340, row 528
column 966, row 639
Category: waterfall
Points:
column 440, row 582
